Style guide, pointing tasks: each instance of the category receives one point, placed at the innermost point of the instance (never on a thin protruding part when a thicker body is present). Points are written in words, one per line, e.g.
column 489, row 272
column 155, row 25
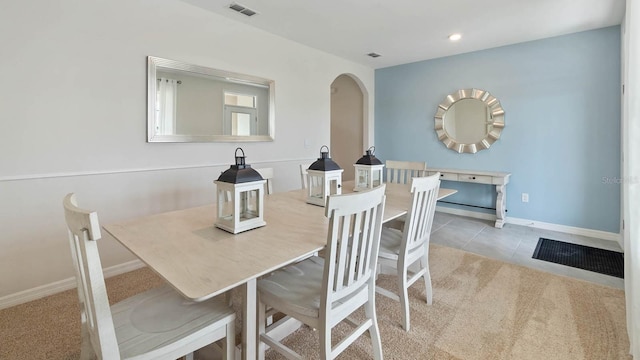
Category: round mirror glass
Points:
column 469, row 120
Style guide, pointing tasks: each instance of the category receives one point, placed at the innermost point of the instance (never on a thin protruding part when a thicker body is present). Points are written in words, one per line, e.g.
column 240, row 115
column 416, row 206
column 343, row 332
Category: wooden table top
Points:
column 201, row 261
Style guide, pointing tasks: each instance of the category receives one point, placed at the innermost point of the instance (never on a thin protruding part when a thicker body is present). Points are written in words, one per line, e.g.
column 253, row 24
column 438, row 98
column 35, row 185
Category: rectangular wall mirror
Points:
column 190, row 103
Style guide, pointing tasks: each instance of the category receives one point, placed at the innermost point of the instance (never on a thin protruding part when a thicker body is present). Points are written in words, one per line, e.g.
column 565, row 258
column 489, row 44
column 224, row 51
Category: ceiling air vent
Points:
column 242, row 9
column 373, row 55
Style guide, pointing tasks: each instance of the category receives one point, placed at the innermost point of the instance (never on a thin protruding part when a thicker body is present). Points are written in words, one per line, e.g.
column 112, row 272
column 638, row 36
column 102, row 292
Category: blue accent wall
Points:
column 561, row 142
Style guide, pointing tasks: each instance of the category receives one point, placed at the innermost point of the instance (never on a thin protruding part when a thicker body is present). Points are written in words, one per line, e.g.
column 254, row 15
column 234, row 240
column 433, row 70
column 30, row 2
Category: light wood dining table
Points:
column 201, row 261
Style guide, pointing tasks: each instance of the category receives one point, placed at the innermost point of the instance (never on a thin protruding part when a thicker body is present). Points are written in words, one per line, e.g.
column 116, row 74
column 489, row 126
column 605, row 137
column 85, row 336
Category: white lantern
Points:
column 368, row 171
column 240, row 197
column 324, row 178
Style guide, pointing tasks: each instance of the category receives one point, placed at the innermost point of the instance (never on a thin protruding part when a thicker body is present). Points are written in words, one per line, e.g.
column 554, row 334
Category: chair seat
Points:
column 140, row 330
column 296, row 287
column 390, row 242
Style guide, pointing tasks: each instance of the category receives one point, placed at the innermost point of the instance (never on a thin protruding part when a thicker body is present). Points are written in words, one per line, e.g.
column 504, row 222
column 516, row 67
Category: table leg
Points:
column 501, row 205
column 249, row 320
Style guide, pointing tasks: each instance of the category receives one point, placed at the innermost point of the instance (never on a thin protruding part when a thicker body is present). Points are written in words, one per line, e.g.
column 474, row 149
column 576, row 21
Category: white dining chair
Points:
column 323, row 292
column 406, row 253
column 156, row 324
column 303, row 175
column 401, row 172
column 267, row 174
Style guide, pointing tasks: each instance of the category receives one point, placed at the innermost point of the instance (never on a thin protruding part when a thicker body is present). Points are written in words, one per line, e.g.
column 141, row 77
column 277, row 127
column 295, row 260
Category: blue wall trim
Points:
column 562, row 137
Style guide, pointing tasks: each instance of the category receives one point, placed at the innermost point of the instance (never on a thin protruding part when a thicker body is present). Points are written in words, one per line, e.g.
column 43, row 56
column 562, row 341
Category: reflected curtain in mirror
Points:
column 189, row 103
column 166, row 100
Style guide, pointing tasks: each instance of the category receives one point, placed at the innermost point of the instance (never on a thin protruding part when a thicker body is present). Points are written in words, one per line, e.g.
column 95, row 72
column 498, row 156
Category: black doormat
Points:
column 579, row 256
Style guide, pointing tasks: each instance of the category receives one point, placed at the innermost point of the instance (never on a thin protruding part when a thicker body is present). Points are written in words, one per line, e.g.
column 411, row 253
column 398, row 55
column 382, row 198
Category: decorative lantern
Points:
column 240, row 197
column 368, row 171
column 324, row 178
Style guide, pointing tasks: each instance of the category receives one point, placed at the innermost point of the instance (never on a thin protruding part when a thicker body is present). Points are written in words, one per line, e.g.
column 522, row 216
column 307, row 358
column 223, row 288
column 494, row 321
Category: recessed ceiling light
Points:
column 373, row 55
column 455, row 37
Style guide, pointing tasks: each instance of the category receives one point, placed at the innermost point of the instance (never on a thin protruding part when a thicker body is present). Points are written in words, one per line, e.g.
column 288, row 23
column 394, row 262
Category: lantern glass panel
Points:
column 363, row 178
column 333, row 187
column 225, row 207
column 377, row 177
column 316, row 187
column 249, row 204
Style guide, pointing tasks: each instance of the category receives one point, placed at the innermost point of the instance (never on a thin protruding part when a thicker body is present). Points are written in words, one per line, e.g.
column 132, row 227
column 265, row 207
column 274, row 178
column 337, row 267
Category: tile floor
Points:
column 515, row 244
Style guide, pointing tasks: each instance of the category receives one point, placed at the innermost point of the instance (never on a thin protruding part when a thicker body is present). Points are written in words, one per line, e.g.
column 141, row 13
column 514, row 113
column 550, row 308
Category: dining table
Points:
column 201, row 261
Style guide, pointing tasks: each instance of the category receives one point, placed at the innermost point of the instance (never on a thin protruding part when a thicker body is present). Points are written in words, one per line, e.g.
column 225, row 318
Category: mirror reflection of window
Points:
column 240, row 114
column 240, row 100
column 240, row 124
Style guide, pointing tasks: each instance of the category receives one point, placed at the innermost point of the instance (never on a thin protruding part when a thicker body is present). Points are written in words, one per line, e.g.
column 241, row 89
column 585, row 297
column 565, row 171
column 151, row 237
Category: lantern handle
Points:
column 240, row 162
column 324, row 146
column 372, row 149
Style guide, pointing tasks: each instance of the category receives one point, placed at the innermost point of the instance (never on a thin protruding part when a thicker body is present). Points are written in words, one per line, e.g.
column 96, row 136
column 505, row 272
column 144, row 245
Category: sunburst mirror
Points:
column 469, row 120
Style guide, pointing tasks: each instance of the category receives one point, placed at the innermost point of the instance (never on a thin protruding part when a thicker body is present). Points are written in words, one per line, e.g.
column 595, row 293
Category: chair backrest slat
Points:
column 353, row 242
column 401, row 172
column 361, row 250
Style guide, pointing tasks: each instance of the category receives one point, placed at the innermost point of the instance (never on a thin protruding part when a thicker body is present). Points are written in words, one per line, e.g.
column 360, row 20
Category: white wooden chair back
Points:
column 355, row 224
column 194, row 325
column 401, row 172
column 303, row 175
column 417, row 229
column 97, row 323
column 347, row 283
column 267, row 174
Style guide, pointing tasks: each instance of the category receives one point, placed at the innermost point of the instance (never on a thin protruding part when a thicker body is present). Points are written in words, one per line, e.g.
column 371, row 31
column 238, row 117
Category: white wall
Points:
column 73, row 100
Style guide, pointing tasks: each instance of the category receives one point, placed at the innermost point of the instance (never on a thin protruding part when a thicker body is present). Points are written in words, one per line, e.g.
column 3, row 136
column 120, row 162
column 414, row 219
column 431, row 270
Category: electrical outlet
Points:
column 525, row 197
column 306, row 143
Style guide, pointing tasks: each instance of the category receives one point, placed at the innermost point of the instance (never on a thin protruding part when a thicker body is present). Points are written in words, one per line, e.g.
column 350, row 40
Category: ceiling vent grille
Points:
column 373, row 55
column 242, row 9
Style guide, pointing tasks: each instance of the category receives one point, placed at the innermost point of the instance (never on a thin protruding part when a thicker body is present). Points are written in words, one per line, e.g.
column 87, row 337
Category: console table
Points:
column 499, row 179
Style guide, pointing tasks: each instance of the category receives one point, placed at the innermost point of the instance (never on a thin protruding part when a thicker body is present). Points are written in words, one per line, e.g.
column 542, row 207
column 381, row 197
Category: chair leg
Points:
column 229, row 344
column 374, row 331
column 262, row 314
column 404, row 295
column 324, row 335
column 427, row 279
column 86, row 349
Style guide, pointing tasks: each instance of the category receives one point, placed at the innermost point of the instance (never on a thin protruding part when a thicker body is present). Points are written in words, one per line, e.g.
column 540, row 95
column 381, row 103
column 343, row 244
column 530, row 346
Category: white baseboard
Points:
column 604, row 235
column 62, row 285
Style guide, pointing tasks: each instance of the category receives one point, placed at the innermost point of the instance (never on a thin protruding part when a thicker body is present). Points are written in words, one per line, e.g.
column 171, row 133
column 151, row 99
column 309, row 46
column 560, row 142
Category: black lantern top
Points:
column 324, row 162
column 240, row 172
column 369, row 158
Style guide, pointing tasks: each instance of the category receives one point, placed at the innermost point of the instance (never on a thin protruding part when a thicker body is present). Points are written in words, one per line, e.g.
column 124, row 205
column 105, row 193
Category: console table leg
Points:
column 501, row 205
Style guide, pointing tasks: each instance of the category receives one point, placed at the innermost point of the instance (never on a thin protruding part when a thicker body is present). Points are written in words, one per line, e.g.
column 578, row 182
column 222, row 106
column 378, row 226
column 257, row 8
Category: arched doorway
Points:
column 347, row 123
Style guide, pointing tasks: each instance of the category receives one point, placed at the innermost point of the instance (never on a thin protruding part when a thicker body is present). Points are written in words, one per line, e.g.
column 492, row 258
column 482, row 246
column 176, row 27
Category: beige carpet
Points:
column 483, row 309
